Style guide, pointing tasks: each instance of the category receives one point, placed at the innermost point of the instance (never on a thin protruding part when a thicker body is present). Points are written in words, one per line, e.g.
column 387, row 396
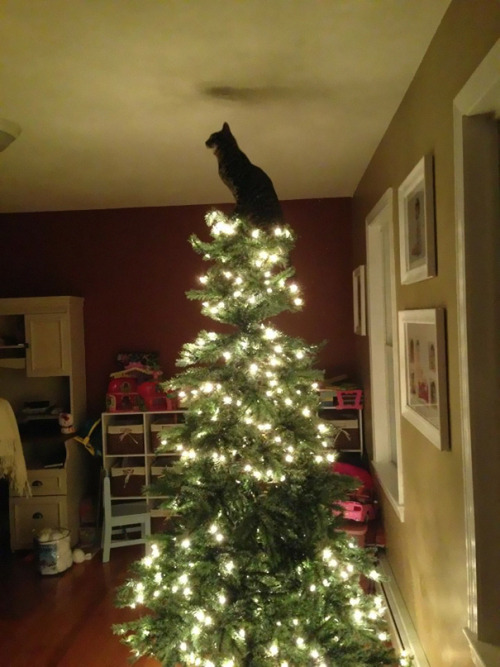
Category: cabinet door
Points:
column 48, row 338
column 29, row 515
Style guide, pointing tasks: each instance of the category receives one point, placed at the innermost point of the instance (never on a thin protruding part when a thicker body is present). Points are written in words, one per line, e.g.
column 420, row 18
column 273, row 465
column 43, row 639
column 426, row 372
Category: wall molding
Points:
column 477, row 96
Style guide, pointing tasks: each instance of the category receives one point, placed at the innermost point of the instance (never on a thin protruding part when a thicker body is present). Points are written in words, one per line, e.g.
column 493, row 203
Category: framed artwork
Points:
column 416, row 223
column 424, row 392
column 359, row 300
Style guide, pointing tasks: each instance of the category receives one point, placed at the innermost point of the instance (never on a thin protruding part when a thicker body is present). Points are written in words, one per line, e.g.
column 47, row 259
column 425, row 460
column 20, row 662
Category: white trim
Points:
column 359, row 300
column 474, row 97
column 483, row 655
column 403, row 633
column 387, row 475
column 390, row 475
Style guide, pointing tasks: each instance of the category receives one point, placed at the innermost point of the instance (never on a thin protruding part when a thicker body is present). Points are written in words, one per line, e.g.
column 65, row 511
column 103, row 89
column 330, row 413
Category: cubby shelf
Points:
column 130, row 440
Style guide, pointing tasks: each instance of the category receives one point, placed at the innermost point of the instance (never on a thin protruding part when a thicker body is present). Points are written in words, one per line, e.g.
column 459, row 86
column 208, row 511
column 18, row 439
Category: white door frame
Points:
column 476, row 97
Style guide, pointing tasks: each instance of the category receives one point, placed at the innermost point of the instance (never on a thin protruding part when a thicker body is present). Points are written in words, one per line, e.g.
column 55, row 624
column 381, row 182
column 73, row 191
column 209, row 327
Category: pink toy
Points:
column 349, row 399
column 356, row 511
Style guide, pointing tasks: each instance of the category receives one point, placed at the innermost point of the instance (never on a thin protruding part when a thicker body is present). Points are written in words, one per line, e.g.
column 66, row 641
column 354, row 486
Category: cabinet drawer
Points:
column 51, row 482
column 29, row 515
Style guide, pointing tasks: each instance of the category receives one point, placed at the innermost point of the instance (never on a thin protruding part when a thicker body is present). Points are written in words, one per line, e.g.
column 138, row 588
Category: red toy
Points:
column 361, row 506
column 155, row 398
column 122, row 395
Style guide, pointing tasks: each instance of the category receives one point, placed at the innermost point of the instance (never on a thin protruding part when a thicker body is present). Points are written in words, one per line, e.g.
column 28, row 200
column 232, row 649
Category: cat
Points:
column 253, row 190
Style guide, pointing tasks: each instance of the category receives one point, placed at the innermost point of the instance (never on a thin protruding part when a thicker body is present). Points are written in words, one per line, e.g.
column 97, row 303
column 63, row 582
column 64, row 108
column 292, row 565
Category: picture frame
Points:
column 417, row 243
column 423, row 373
column 359, row 300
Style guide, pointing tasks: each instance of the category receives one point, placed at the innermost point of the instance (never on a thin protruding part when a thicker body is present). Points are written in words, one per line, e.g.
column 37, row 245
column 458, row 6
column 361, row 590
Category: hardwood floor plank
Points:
column 64, row 620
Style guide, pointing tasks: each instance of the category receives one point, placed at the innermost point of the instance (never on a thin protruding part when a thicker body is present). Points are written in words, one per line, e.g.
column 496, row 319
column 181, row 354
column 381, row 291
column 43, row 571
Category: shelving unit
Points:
column 343, row 408
column 130, row 440
column 42, row 360
column 351, row 423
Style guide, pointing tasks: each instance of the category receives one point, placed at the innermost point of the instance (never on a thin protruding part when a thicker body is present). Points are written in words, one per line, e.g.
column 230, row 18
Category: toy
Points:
column 356, row 511
column 90, row 436
column 154, row 397
column 122, row 395
column 361, row 505
column 66, row 423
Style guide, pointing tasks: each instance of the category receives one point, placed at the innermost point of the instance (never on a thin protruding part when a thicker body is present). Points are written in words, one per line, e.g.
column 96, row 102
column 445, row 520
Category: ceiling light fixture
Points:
column 8, row 132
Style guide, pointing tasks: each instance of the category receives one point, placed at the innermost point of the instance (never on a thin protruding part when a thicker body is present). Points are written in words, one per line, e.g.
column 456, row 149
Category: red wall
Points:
column 133, row 267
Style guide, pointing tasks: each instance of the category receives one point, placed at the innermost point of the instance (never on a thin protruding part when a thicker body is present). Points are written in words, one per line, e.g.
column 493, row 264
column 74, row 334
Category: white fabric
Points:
column 12, row 463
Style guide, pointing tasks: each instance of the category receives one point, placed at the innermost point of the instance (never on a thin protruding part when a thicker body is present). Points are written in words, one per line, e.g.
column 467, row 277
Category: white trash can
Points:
column 53, row 550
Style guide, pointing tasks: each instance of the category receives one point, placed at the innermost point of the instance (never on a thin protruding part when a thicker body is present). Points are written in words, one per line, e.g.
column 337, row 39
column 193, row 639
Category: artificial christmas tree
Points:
column 255, row 570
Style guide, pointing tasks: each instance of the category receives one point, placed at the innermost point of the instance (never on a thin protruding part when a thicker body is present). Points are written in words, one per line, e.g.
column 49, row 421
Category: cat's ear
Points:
column 225, row 128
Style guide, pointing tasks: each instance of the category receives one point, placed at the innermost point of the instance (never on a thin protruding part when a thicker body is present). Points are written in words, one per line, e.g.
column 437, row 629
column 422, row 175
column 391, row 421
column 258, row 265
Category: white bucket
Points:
column 53, row 550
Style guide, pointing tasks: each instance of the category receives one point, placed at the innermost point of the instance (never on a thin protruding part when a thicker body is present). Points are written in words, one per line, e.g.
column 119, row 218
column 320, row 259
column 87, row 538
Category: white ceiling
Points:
column 117, row 97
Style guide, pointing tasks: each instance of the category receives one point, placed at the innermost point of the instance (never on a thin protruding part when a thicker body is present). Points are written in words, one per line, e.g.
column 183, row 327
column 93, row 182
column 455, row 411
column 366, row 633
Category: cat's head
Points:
column 221, row 139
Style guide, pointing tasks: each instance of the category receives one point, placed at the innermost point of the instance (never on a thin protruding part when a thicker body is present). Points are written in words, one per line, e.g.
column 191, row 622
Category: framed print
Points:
column 359, row 300
column 416, row 223
column 424, row 394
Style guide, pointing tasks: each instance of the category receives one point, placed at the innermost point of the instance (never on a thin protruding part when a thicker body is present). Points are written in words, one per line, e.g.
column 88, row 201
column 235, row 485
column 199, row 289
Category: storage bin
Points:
column 160, row 426
column 161, row 521
column 356, row 530
column 162, row 462
column 125, row 437
column 128, row 478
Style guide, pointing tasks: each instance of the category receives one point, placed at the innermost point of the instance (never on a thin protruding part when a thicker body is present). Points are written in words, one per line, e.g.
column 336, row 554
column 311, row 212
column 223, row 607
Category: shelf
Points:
column 133, row 435
column 13, row 362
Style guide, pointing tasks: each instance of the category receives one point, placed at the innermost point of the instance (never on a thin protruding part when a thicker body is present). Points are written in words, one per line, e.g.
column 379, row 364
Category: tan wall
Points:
column 427, row 551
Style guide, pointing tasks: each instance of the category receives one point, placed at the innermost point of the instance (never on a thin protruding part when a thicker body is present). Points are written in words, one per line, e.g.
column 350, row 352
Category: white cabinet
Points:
column 42, row 352
column 42, row 362
column 57, row 491
column 48, row 344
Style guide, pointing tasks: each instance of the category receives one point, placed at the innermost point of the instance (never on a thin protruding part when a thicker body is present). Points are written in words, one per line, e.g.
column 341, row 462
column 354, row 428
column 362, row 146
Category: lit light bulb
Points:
column 270, row 333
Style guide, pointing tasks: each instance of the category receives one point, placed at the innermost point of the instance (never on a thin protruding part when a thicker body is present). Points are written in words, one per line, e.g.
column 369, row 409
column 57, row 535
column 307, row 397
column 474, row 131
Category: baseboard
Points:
column 483, row 655
column 403, row 633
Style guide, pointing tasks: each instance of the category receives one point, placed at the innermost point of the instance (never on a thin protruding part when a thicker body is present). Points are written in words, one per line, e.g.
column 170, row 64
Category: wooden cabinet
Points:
column 56, row 490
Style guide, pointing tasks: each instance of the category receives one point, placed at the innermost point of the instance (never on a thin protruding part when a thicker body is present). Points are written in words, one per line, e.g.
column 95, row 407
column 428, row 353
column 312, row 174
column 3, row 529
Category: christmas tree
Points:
column 255, row 570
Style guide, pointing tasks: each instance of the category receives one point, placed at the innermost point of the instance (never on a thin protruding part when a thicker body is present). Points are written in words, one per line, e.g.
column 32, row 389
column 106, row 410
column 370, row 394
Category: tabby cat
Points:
column 253, row 190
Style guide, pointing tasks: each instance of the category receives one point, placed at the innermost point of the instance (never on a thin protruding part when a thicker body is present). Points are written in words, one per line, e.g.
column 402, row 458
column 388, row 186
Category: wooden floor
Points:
column 63, row 620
